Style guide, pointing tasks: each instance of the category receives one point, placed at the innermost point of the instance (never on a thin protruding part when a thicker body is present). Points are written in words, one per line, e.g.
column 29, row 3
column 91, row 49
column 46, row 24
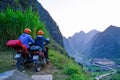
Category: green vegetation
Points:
column 117, row 61
column 112, row 77
column 68, row 66
column 96, row 71
column 94, row 68
column 6, row 61
column 115, row 76
column 94, row 74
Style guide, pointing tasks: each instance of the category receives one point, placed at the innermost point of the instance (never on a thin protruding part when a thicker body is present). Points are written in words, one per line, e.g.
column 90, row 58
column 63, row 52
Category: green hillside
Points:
column 12, row 24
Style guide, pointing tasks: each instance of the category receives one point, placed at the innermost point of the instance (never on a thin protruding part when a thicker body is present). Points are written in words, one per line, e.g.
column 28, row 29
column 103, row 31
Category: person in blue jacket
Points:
column 41, row 41
column 25, row 38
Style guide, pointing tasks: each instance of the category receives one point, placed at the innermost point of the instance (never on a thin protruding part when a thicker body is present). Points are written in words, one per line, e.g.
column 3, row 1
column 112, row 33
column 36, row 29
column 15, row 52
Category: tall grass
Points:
column 12, row 24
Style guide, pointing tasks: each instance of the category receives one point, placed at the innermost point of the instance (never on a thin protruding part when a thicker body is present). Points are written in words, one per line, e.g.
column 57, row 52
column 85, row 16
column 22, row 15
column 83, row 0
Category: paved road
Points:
column 103, row 75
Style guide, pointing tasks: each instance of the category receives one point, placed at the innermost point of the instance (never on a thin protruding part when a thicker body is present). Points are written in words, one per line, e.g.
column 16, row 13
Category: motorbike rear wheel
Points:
column 38, row 65
column 20, row 64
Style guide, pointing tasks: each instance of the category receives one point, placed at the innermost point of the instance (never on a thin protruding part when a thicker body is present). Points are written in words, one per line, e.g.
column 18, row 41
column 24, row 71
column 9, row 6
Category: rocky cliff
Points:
column 80, row 42
column 107, row 43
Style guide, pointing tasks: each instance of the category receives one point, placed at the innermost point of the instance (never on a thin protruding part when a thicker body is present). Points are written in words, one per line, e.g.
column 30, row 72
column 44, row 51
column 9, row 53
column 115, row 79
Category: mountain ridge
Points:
column 107, row 43
column 96, row 44
column 73, row 41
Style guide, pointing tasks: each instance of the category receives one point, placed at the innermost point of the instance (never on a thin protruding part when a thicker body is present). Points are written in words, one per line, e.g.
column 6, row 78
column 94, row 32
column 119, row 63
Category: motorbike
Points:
column 39, row 57
column 24, row 56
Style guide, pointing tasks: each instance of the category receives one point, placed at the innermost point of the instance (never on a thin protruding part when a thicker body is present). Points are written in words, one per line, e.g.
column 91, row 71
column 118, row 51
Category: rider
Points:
column 26, row 38
column 40, row 40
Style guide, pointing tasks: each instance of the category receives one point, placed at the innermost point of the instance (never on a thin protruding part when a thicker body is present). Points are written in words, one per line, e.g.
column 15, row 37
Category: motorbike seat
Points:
column 34, row 48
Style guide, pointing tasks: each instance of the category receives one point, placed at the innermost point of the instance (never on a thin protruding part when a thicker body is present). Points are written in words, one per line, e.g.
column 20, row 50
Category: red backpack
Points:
column 14, row 43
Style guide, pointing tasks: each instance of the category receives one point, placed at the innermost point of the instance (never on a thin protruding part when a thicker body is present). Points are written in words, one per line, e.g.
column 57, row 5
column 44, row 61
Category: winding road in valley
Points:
column 103, row 75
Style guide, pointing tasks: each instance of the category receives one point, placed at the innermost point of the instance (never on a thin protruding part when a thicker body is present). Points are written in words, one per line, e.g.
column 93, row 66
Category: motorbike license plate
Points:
column 35, row 57
column 17, row 55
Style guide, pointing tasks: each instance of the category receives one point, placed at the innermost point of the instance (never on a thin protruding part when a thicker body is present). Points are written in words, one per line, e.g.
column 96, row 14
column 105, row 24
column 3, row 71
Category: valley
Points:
column 100, row 69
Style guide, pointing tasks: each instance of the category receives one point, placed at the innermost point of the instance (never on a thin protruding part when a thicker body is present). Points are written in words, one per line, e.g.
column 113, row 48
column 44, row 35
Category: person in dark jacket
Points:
column 40, row 40
column 25, row 38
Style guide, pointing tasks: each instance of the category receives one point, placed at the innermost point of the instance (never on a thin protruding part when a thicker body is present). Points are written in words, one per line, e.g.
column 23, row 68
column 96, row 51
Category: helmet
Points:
column 40, row 32
column 27, row 30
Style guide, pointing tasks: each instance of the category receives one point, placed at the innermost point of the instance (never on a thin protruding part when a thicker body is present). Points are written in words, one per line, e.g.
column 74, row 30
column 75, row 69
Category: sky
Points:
column 83, row 15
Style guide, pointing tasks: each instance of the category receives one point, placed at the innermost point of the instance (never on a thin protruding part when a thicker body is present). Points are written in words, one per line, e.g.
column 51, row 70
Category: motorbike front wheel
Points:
column 20, row 64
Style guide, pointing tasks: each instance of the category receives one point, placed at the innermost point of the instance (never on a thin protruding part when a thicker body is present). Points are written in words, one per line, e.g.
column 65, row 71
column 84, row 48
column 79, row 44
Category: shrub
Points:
column 77, row 77
column 68, row 66
column 71, row 69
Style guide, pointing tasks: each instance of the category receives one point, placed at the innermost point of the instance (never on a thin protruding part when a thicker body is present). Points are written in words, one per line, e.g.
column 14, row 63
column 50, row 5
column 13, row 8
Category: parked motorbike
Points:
column 24, row 56
column 38, row 57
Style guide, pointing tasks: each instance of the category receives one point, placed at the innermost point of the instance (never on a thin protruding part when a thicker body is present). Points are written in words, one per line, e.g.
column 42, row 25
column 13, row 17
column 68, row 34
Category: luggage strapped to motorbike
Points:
column 16, row 44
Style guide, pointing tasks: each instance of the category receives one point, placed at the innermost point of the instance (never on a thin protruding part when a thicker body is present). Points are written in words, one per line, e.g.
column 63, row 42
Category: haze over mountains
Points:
column 95, row 44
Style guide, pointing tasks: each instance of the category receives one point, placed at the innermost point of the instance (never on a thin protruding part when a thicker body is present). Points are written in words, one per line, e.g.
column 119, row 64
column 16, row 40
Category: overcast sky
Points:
column 83, row 15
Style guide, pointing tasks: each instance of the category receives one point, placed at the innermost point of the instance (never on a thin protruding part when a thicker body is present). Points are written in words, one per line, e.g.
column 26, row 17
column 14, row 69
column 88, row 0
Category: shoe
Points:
column 47, row 60
column 44, row 61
